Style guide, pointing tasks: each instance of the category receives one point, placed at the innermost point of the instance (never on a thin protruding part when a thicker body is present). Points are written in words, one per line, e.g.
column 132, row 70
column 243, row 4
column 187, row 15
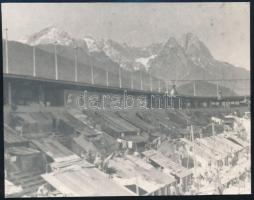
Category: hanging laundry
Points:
column 124, row 143
column 130, row 144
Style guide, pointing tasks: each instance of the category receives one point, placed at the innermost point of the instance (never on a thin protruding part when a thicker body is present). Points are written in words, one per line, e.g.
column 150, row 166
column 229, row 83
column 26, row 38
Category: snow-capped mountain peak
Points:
column 171, row 43
column 193, row 46
column 49, row 35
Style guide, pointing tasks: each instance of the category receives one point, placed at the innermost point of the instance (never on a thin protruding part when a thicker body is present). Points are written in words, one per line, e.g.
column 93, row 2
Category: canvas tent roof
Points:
column 22, row 151
column 142, row 137
column 84, row 123
column 167, row 163
column 211, row 148
column 55, row 150
column 227, row 145
column 85, row 182
column 133, row 170
column 203, row 151
column 223, row 145
column 11, row 189
column 235, row 146
column 238, row 140
column 104, row 144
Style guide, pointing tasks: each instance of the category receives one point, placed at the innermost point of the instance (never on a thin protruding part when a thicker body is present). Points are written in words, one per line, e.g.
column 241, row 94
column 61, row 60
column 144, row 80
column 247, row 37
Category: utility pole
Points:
column 56, row 64
column 119, row 72
column 217, row 180
column 120, row 76
column 6, row 51
column 159, row 85
column 171, row 102
column 167, row 87
column 217, row 88
column 213, row 131
column 91, row 67
column 137, row 189
column 34, row 61
column 141, row 81
column 166, row 99
column 193, row 148
column 132, row 80
column 92, row 77
column 76, row 64
column 9, row 93
column 107, row 80
column 151, row 81
column 194, row 88
column 159, row 102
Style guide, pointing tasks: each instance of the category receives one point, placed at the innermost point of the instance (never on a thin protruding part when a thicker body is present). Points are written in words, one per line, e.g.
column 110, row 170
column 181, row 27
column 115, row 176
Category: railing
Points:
column 20, row 59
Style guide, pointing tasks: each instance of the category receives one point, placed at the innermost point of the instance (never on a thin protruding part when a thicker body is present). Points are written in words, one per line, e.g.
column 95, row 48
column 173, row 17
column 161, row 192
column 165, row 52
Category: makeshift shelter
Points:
column 79, row 182
column 136, row 142
column 126, row 134
column 238, row 141
column 103, row 144
column 12, row 138
column 23, row 159
column 201, row 153
column 33, row 122
column 55, row 150
column 82, row 121
column 140, row 177
column 218, row 155
column 11, row 190
column 182, row 174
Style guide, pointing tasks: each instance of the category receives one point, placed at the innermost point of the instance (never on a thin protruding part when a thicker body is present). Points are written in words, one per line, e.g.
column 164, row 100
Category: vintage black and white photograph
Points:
column 126, row 99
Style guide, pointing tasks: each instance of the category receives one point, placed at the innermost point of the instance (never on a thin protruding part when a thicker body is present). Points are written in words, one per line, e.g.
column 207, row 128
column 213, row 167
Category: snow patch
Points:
column 49, row 35
column 91, row 44
column 145, row 61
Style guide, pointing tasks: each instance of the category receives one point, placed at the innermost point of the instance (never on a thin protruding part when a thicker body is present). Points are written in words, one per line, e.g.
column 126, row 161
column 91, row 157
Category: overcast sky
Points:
column 223, row 27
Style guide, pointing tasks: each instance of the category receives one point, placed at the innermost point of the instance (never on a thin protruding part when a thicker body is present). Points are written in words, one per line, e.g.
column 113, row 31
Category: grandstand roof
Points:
column 102, row 88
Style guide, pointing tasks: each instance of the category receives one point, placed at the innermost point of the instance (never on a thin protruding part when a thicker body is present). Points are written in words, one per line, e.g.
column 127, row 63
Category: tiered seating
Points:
column 34, row 122
column 136, row 121
column 155, row 119
column 63, row 139
column 119, row 124
column 97, row 141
